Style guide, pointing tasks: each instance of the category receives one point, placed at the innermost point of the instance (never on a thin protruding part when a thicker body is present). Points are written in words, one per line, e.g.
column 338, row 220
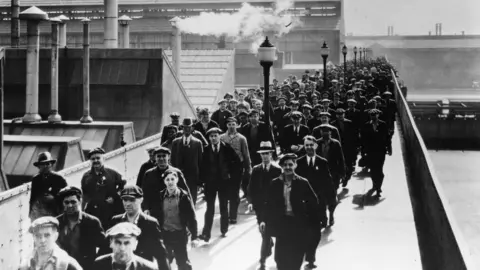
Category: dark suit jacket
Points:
column 221, row 120
column 227, row 162
column 335, row 158
column 196, row 134
column 150, row 244
column 319, row 178
column 259, row 184
column 304, row 203
column 187, row 158
column 317, row 133
column 143, row 169
column 264, row 134
column 376, row 142
column 153, row 183
column 92, row 237
column 199, row 127
column 105, row 263
column 354, row 116
column 290, row 137
column 278, row 119
column 349, row 134
column 45, row 188
column 187, row 212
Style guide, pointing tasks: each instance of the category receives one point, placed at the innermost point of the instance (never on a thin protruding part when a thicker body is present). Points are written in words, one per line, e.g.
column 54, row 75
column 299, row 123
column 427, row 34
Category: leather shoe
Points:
column 233, row 221
column 204, row 238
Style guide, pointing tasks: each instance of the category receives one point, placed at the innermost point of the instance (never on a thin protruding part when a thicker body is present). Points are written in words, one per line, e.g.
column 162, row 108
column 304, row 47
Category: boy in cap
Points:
column 282, row 219
column 45, row 187
column 150, row 245
column 123, row 241
column 46, row 253
column 100, row 187
column 220, row 115
column 80, row 234
column 147, row 165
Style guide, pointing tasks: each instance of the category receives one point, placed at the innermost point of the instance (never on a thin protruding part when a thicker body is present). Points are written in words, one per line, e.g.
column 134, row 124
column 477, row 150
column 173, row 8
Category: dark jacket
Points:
column 264, row 134
column 317, row 133
column 319, row 178
column 187, row 212
column 259, row 184
column 196, row 134
column 376, row 142
column 143, row 169
column 187, row 158
column 199, row 127
column 348, row 133
column 335, row 158
column 43, row 196
column 150, row 244
column 92, row 236
column 220, row 118
column 354, row 115
column 105, row 263
column 304, row 203
column 153, row 183
column 278, row 121
column 228, row 160
column 290, row 137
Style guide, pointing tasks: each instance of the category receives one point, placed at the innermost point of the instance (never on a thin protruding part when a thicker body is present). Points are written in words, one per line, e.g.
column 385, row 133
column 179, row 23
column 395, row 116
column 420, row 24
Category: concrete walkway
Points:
column 369, row 234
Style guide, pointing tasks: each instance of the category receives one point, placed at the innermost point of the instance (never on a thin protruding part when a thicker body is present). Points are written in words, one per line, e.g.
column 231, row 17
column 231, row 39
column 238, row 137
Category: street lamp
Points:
column 324, row 51
column 267, row 54
column 360, row 58
column 355, row 52
column 364, row 54
column 344, row 51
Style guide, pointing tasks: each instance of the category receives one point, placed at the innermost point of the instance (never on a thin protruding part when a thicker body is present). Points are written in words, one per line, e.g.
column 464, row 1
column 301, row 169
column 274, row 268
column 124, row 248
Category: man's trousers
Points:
column 211, row 190
column 176, row 246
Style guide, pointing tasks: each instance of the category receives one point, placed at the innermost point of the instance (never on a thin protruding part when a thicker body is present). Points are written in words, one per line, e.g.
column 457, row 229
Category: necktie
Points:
column 216, row 148
column 117, row 266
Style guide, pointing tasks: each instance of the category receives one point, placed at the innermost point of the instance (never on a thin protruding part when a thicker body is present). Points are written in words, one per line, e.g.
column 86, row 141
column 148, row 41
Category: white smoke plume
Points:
column 249, row 23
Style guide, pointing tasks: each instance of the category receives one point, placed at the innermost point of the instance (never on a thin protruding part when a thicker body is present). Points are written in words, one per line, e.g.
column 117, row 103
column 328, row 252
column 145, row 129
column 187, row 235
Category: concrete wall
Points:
column 435, row 68
column 441, row 242
column 228, row 81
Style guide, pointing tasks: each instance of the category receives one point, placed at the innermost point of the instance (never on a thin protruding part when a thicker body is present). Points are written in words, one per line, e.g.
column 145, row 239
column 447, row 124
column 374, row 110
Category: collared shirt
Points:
column 51, row 262
column 70, row 237
column 239, row 143
column 121, row 266
column 216, row 147
column 296, row 129
column 310, row 160
column 135, row 220
column 171, row 211
column 287, row 190
column 266, row 167
column 186, row 140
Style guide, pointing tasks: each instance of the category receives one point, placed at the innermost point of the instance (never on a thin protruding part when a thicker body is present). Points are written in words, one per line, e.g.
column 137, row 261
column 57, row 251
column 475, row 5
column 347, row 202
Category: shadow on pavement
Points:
column 326, row 237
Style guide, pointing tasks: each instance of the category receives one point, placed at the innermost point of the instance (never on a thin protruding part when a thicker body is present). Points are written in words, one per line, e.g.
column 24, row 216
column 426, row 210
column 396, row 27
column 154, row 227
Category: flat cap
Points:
column 69, row 191
column 175, row 115
column 162, row 150
column 222, row 101
column 296, row 115
column 387, row 93
column 124, row 229
column 133, row 191
column 325, row 127
column 306, row 106
column 294, row 102
column 242, row 114
column 231, row 119
column 340, row 111
column 169, row 127
column 251, row 89
column 374, row 111
column 252, row 112
column 352, row 100
column 282, row 97
column 227, row 95
column 214, row 130
column 302, row 95
column 43, row 222
column 233, row 101
column 334, row 81
column 152, row 148
column 325, row 100
column 288, row 156
column 350, row 92
column 97, row 150
column 325, row 114
column 242, row 105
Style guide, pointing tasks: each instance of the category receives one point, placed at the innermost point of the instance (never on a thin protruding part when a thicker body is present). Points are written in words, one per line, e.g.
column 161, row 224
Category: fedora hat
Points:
column 265, row 147
column 44, row 158
column 187, row 121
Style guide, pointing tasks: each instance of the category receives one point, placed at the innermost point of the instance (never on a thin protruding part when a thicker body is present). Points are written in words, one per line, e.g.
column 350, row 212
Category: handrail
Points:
column 460, row 242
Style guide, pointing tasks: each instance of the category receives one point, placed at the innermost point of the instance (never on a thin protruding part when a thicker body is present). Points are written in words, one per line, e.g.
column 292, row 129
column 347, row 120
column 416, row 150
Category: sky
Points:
column 412, row 17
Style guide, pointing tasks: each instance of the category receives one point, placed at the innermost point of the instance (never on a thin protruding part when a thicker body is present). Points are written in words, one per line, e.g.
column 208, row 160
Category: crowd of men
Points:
column 317, row 132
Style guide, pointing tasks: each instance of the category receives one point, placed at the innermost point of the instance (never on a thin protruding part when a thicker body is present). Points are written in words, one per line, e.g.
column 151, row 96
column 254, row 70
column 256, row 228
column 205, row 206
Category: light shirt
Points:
column 216, row 147
column 171, row 211
column 266, row 167
column 134, row 221
column 310, row 161
column 186, row 140
column 287, row 190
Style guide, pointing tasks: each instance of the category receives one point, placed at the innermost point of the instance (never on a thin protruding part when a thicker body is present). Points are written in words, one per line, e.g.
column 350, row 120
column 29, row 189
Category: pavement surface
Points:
column 458, row 174
column 368, row 234
column 439, row 94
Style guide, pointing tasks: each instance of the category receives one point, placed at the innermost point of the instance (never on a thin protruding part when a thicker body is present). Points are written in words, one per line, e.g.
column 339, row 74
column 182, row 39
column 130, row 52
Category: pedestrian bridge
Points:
column 410, row 227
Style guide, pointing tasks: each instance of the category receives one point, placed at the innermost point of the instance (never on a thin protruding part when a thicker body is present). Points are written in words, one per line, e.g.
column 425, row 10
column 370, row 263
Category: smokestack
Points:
column 124, row 22
column 222, row 44
column 429, row 33
column 15, row 24
column 391, row 30
column 86, row 118
column 463, row 33
column 176, row 45
column 110, row 24
column 33, row 16
column 54, row 117
column 439, row 29
column 62, row 30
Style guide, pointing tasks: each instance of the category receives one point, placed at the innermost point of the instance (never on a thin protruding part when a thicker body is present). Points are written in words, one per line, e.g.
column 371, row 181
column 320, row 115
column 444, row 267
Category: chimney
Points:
column 124, row 22
column 62, row 30
column 463, row 33
column 429, row 33
column 439, row 29
column 391, row 30
column 15, row 24
column 110, row 34
column 86, row 118
column 33, row 16
column 176, row 45
column 222, row 44
column 54, row 117
column 436, row 29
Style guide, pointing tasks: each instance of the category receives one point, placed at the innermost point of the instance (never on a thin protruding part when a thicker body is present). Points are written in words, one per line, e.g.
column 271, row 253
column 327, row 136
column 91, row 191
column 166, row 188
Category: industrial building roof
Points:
column 202, row 73
column 41, row 3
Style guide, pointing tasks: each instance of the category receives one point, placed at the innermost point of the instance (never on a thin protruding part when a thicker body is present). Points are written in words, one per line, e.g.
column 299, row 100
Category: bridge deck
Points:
column 368, row 234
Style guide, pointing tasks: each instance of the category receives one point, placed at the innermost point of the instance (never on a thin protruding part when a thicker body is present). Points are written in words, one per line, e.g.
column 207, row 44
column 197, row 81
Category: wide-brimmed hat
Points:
column 187, row 122
column 44, row 158
column 265, row 147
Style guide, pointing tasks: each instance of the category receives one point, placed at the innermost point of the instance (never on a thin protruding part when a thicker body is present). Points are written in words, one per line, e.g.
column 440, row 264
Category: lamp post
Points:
column 344, row 51
column 355, row 53
column 267, row 55
column 360, row 58
column 364, row 54
column 324, row 51
column 86, row 118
